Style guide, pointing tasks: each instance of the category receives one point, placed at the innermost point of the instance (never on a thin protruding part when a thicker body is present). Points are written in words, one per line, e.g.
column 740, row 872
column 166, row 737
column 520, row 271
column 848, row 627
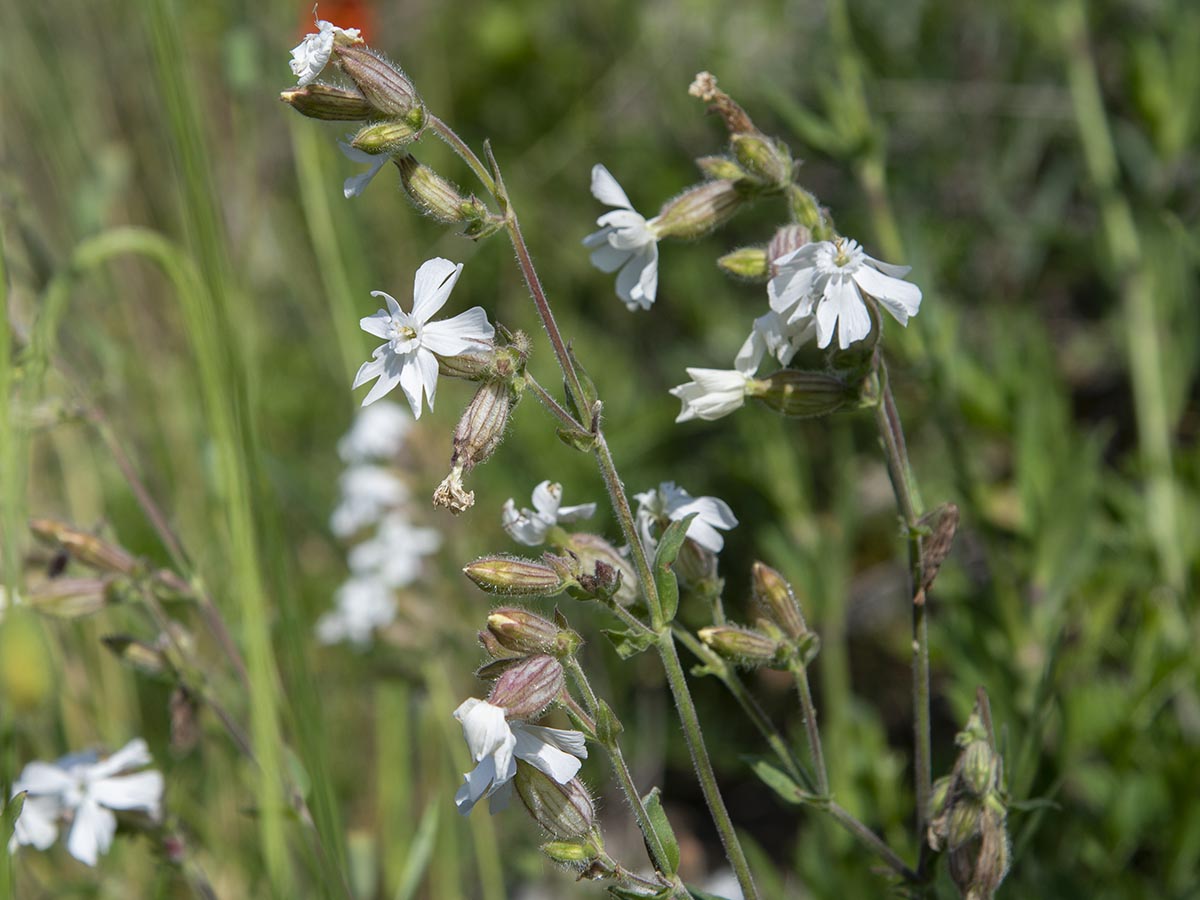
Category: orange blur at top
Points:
column 343, row 13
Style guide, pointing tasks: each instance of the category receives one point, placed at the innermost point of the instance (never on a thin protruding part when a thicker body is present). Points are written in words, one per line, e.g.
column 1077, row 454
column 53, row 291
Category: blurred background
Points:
column 1035, row 162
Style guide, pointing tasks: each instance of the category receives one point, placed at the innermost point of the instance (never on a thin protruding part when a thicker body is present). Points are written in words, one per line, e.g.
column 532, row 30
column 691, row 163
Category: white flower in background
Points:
column 312, row 54
column 777, row 335
column 496, row 744
column 394, row 554
column 377, row 433
column 86, row 790
column 827, row 279
column 367, row 493
column 625, row 241
column 360, row 606
column 711, row 394
column 669, row 502
column 408, row 358
column 356, row 184
column 529, row 526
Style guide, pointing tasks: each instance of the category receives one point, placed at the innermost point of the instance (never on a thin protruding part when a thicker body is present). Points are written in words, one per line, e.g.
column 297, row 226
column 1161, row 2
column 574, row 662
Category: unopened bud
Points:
column 801, row 395
column 483, row 423
column 749, row 262
column 777, row 601
column 436, row 197
column 805, row 209
column 494, row 648
column 384, row 137
column 564, row 811
column 71, row 598
column 698, row 210
column 720, row 167
column 696, row 566
column 329, row 103
column 139, row 655
column 784, row 241
column 527, row 688
column 765, row 158
column 977, row 767
column 468, row 366
column 385, row 86
column 742, row 645
column 571, row 853
column 965, row 816
column 511, row 576
column 87, row 548
column 524, row 632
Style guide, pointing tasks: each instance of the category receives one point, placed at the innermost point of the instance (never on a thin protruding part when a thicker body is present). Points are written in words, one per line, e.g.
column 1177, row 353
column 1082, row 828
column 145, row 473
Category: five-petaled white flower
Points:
column 828, row 279
column 312, row 54
column 377, row 433
column 625, row 241
column 360, row 606
column 777, row 335
column 85, row 790
column 669, row 502
column 529, row 526
column 711, row 394
column 408, row 358
column 497, row 743
column 356, row 184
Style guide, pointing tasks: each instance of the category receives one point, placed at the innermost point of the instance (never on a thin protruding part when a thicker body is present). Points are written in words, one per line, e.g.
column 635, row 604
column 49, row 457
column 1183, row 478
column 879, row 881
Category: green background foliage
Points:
column 183, row 280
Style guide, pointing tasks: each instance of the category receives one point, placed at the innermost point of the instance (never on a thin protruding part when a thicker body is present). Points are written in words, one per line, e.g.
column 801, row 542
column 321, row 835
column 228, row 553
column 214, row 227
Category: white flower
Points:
column 367, row 493
column 529, row 526
column 362, row 605
column 828, row 279
column 496, row 744
column 377, row 433
column 625, row 241
column 673, row 503
column 393, row 555
column 356, row 184
column 711, row 394
column 87, row 791
column 775, row 334
column 312, row 54
column 408, row 358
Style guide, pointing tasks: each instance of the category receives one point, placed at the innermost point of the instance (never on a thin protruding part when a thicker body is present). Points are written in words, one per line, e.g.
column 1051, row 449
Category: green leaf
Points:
column 668, row 549
column 780, row 782
column 9, row 816
column 662, row 830
column 703, row 895
column 629, row 643
column 630, row 894
column 608, row 726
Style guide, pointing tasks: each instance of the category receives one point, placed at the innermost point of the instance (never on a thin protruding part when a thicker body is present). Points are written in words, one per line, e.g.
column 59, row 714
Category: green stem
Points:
column 459, row 146
column 809, row 709
column 1141, row 321
column 703, row 766
column 551, row 404
column 629, row 530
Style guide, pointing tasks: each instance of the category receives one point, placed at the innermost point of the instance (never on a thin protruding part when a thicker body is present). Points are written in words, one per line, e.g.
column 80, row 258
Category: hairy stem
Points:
column 811, row 730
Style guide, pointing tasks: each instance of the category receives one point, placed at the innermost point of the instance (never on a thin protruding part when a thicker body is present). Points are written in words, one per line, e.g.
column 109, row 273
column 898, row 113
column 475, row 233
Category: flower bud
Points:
column 750, row 263
column 720, row 167
column 71, row 598
column 524, row 632
column 976, row 768
column 482, row 426
column 765, row 158
column 571, row 853
column 696, row 567
column 805, row 209
column 511, row 576
column 139, row 655
column 564, row 811
column 698, row 210
column 468, row 366
column 743, row 645
column 494, row 648
column 385, row 87
column 329, row 103
column 87, row 548
column 777, row 601
column 436, row 197
column 801, row 395
column 978, row 867
column 786, row 239
column 384, row 137
column 528, row 687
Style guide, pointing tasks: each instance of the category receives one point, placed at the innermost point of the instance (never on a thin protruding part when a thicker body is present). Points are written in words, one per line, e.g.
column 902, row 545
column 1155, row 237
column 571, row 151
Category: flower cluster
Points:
column 374, row 497
column 531, row 526
column 84, row 790
column 669, row 503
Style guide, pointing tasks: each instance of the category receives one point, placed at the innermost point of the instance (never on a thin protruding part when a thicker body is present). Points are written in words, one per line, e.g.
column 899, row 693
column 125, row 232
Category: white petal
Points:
column 376, row 324
column 37, row 824
column 484, row 727
column 476, row 785
column 565, row 739
column 465, row 332
column 132, row 755
column 854, row 322
column 560, row 766
column 43, row 778
column 408, row 373
column 432, row 286
column 705, row 535
column 901, row 298
column 710, row 509
column 575, row 513
column 606, row 190
column 546, row 499
column 92, row 832
column 391, row 374
column 608, row 258
column 355, row 155
column 427, row 365
column 142, row 790
column 356, row 184
column 638, row 281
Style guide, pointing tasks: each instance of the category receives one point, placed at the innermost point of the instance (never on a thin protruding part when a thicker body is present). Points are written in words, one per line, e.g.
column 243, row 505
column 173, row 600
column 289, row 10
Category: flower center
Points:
column 842, row 256
column 400, row 334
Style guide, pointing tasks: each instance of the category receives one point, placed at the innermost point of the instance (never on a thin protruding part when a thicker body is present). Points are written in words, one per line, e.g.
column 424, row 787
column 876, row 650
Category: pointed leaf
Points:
column 662, row 830
column 664, row 578
column 780, row 782
column 629, row 643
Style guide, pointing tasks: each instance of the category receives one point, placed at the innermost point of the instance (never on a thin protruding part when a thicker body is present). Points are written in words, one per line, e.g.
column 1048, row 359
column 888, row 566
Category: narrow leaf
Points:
column 662, row 830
